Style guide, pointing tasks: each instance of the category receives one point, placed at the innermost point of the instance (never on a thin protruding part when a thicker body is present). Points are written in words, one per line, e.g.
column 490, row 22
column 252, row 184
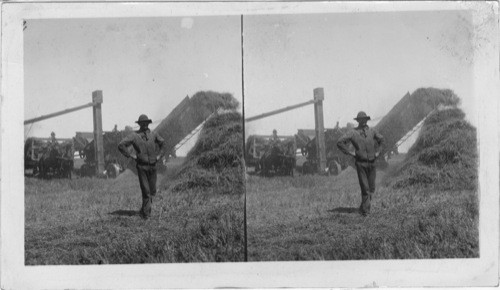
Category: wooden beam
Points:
column 44, row 117
column 320, row 127
column 279, row 111
column 99, row 146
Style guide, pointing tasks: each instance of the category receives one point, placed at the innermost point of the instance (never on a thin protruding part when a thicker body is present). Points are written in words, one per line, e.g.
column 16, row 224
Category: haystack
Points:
column 408, row 112
column 216, row 160
column 444, row 156
column 181, row 121
column 190, row 113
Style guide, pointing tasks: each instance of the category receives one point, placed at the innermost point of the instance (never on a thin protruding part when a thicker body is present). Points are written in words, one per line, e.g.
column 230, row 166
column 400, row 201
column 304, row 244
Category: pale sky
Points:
column 142, row 65
column 364, row 61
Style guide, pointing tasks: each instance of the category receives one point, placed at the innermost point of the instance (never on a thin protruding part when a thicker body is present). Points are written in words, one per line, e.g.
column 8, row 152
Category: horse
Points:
column 280, row 158
column 56, row 160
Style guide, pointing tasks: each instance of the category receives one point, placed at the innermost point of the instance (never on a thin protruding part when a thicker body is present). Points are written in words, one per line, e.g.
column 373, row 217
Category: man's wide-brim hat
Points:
column 362, row 115
column 143, row 119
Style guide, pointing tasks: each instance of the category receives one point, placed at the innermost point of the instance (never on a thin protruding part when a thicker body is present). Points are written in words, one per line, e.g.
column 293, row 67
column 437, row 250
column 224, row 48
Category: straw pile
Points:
column 190, row 113
column 444, row 155
column 216, row 160
column 204, row 103
column 408, row 112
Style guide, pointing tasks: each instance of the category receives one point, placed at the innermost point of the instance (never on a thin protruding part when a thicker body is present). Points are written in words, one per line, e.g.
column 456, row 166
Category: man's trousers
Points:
column 366, row 176
column 147, row 181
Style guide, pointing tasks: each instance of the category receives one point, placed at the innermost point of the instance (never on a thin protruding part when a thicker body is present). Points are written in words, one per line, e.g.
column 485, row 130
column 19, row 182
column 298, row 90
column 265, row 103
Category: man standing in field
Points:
column 144, row 143
column 367, row 144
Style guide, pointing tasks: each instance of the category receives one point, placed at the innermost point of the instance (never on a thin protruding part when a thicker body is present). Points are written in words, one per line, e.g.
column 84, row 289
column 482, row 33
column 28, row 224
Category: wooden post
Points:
column 320, row 128
column 98, row 140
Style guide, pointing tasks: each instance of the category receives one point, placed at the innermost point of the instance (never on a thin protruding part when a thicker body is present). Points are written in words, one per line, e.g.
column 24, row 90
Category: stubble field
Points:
column 315, row 218
column 95, row 221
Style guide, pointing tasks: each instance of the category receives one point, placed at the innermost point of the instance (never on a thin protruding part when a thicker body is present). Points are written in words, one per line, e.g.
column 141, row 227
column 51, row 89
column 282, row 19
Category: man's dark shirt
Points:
column 144, row 143
column 364, row 140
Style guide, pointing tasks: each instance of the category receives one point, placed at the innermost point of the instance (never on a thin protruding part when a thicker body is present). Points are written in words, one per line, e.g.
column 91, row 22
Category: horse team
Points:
column 49, row 159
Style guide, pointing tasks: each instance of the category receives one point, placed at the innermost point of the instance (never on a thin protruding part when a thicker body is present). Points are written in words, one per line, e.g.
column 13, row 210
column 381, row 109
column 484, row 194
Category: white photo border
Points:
column 482, row 271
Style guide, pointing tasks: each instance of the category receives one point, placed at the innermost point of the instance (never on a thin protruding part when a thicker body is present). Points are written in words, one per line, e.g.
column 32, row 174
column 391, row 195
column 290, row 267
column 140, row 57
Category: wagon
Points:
column 48, row 158
column 271, row 157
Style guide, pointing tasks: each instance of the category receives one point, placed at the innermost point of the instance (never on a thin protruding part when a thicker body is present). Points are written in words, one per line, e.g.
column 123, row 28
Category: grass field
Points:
column 316, row 218
column 95, row 221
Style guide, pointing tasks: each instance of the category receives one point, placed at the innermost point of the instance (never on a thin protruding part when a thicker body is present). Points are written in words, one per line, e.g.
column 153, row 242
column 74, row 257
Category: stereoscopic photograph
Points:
column 249, row 144
column 361, row 136
column 133, row 133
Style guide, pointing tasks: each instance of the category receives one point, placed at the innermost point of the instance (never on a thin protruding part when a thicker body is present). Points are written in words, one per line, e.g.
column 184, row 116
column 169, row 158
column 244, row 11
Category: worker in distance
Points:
column 368, row 144
column 144, row 143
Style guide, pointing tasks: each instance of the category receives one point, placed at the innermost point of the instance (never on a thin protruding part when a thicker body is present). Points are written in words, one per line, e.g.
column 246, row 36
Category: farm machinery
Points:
column 319, row 146
column 183, row 122
column 114, row 161
column 99, row 150
column 279, row 156
column 336, row 161
column 44, row 157
column 260, row 148
column 270, row 155
column 34, row 149
column 399, row 124
column 48, row 157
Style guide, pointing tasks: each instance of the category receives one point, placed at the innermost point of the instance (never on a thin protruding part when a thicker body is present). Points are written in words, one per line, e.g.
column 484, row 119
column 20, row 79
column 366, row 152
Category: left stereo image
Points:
column 133, row 140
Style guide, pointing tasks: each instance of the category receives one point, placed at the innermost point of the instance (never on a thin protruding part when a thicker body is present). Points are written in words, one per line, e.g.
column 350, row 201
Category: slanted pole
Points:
column 41, row 118
column 278, row 111
column 320, row 127
column 98, row 140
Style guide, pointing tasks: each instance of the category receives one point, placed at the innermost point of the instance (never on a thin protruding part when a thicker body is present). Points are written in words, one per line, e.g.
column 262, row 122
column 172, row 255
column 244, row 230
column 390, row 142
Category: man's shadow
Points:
column 123, row 212
column 345, row 210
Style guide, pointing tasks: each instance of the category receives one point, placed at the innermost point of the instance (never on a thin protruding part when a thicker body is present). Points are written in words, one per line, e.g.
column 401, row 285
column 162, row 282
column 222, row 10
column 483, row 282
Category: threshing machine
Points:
column 400, row 123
